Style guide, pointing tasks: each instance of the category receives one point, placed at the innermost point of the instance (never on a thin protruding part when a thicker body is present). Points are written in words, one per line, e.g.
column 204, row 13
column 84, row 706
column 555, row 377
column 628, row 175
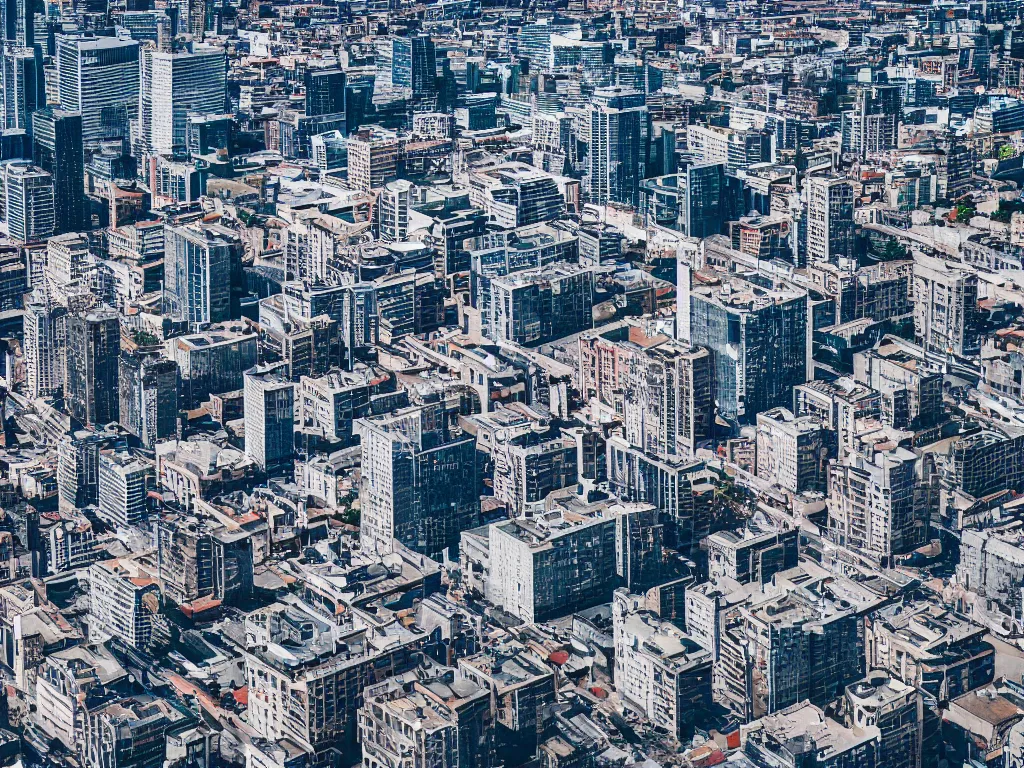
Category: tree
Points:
column 893, row 250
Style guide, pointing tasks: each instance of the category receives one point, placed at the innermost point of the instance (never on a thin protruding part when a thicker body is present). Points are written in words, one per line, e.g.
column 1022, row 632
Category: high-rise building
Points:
column 441, row 727
column 910, row 390
column 751, row 555
column 15, row 278
column 659, row 669
column 325, row 92
column 269, row 418
column 339, row 674
column 23, row 86
column 419, row 482
column 616, row 138
column 57, row 148
column 18, row 17
column 99, row 77
column 393, row 210
column 670, row 394
column 414, row 64
column 175, row 85
column 872, row 126
column 890, row 520
column 28, row 193
column 538, row 305
column 829, row 218
column 360, row 321
column 516, row 195
column 569, row 562
column 736, row 148
column 66, row 259
column 946, row 314
column 122, row 489
column 78, row 468
column 197, row 267
column 213, row 361
column 372, row 158
column 44, row 345
column 790, row 450
column 691, row 201
column 124, row 602
column 91, row 383
column 148, row 397
column 760, row 336
column 895, row 709
column 783, row 646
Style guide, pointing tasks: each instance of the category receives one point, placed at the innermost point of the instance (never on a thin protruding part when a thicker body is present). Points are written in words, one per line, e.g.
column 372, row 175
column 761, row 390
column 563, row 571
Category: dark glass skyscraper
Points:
column 57, row 148
column 94, row 345
column 18, row 18
column 325, row 92
column 414, row 64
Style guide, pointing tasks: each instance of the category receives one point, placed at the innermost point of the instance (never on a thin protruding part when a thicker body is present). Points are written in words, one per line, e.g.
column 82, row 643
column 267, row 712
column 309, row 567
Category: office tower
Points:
column 338, row 676
column 752, row 555
column 372, row 158
column 202, row 559
column 208, row 134
column 426, row 726
column 538, row 305
column 124, row 602
column 148, row 397
column 670, row 392
column 72, row 543
column 888, row 521
column 419, row 482
column 790, row 451
column 738, row 149
column 946, row 314
column 760, row 336
column 78, row 469
column 57, row 148
column 360, row 323
column 803, row 644
column 18, row 22
column 393, row 210
column 44, row 345
column 773, row 739
column 894, row 708
column 14, row 278
column 659, row 669
column 213, row 361
column 122, row 489
column 414, row 64
column 594, row 551
column 616, row 136
column 67, row 257
column 910, row 390
column 24, row 89
column 528, row 469
column 872, row 126
column 516, row 195
column 325, row 91
column 99, row 77
column 174, row 85
column 269, row 418
column 691, row 201
column 955, row 176
column 197, row 272
column 91, row 381
column 329, row 151
column 829, row 218
column 28, row 193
